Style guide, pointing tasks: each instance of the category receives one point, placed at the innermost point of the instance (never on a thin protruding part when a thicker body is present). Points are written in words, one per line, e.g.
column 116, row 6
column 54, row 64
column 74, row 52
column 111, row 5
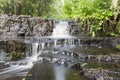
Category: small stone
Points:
column 29, row 75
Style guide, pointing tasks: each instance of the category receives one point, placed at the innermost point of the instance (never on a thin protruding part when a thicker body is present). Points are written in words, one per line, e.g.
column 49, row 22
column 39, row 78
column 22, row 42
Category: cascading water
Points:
column 55, row 42
column 43, row 45
column 61, row 30
column 35, row 54
column 34, row 49
column 23, row 64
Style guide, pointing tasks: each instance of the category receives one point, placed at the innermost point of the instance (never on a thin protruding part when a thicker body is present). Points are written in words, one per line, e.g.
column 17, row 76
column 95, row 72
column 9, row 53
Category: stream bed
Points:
column 57, row 61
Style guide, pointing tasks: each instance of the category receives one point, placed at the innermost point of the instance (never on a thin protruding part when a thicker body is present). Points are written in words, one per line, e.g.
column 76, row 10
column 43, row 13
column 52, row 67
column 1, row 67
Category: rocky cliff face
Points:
column 27, row 26
column 15, row 26
column 74, row 29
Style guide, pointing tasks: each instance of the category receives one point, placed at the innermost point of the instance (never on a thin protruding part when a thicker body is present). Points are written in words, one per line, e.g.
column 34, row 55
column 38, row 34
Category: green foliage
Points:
column 94, row 12
column 5, row 6
column 57, row 11
column 29, row 8
column 23, row 78
column 117, row 47
column 85, row 9
column 15, row 55
column 26, row 7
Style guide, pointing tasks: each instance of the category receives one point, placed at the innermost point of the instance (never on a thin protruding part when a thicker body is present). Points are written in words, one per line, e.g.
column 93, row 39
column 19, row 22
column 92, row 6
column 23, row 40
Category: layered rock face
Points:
column 27, row 26
column 15, row 26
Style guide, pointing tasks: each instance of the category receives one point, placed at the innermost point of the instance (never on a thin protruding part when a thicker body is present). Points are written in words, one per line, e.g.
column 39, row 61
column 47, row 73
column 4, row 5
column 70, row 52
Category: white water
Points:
column 43, row 45
column 65, row 43
column 61, row 30
column 35, row 48
column 55, row 42
column 34, row 56
column 22, row 65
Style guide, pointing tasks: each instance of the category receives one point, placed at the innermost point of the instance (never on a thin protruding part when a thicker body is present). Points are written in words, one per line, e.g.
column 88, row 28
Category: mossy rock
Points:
column 15, row 55
column 117, row 47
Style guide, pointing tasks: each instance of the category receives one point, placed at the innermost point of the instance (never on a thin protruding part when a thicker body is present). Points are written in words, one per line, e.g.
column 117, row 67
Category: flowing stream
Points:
column 47, row 58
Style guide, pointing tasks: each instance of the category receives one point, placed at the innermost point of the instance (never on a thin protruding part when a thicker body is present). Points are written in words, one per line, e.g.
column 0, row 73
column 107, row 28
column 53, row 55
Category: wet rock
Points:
column 76, row 66
column 22, row 25
column 25, row 26
column 74, row 30
column 3, row 20
column 75, row 55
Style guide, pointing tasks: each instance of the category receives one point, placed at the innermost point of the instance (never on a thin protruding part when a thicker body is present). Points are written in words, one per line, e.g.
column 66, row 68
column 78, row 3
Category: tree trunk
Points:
column 40, row 8
column 18, row 9
column 15, row 7
column 115, row 6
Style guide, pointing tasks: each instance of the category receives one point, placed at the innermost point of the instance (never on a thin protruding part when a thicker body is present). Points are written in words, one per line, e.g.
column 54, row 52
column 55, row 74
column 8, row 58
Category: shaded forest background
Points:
column 94, row 17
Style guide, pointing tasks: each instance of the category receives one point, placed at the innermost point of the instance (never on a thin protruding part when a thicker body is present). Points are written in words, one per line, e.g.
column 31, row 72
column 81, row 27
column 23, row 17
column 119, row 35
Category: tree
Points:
column 44, row 7
column 5, row 7
column 17, row 6
column 91, row 14
column 26, row 7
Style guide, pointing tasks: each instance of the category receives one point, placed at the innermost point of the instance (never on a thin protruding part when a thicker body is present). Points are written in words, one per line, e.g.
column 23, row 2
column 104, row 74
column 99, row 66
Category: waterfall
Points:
column 35, row 51
column 20, row 67
column 55, row 42
column 35, row 48
column 43, row 45
column 32, row 53
column 65, row 43
column 28, row 50
column 71, row 41
column 79, row 42
column 61, row 30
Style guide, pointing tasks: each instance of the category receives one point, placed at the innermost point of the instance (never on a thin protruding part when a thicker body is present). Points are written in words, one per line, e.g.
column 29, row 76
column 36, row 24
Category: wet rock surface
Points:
column 41, row 72
column 76, row 61
column 60, row 53
column 28, row 49
column 23, row 25
column 12, row 50
column 15, row 26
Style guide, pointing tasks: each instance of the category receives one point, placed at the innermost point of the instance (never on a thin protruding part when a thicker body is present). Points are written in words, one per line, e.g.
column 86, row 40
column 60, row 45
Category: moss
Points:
column 93, row 50
column 97, row 65
column 24, row 79
column 117, row 47
column 14, row 55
